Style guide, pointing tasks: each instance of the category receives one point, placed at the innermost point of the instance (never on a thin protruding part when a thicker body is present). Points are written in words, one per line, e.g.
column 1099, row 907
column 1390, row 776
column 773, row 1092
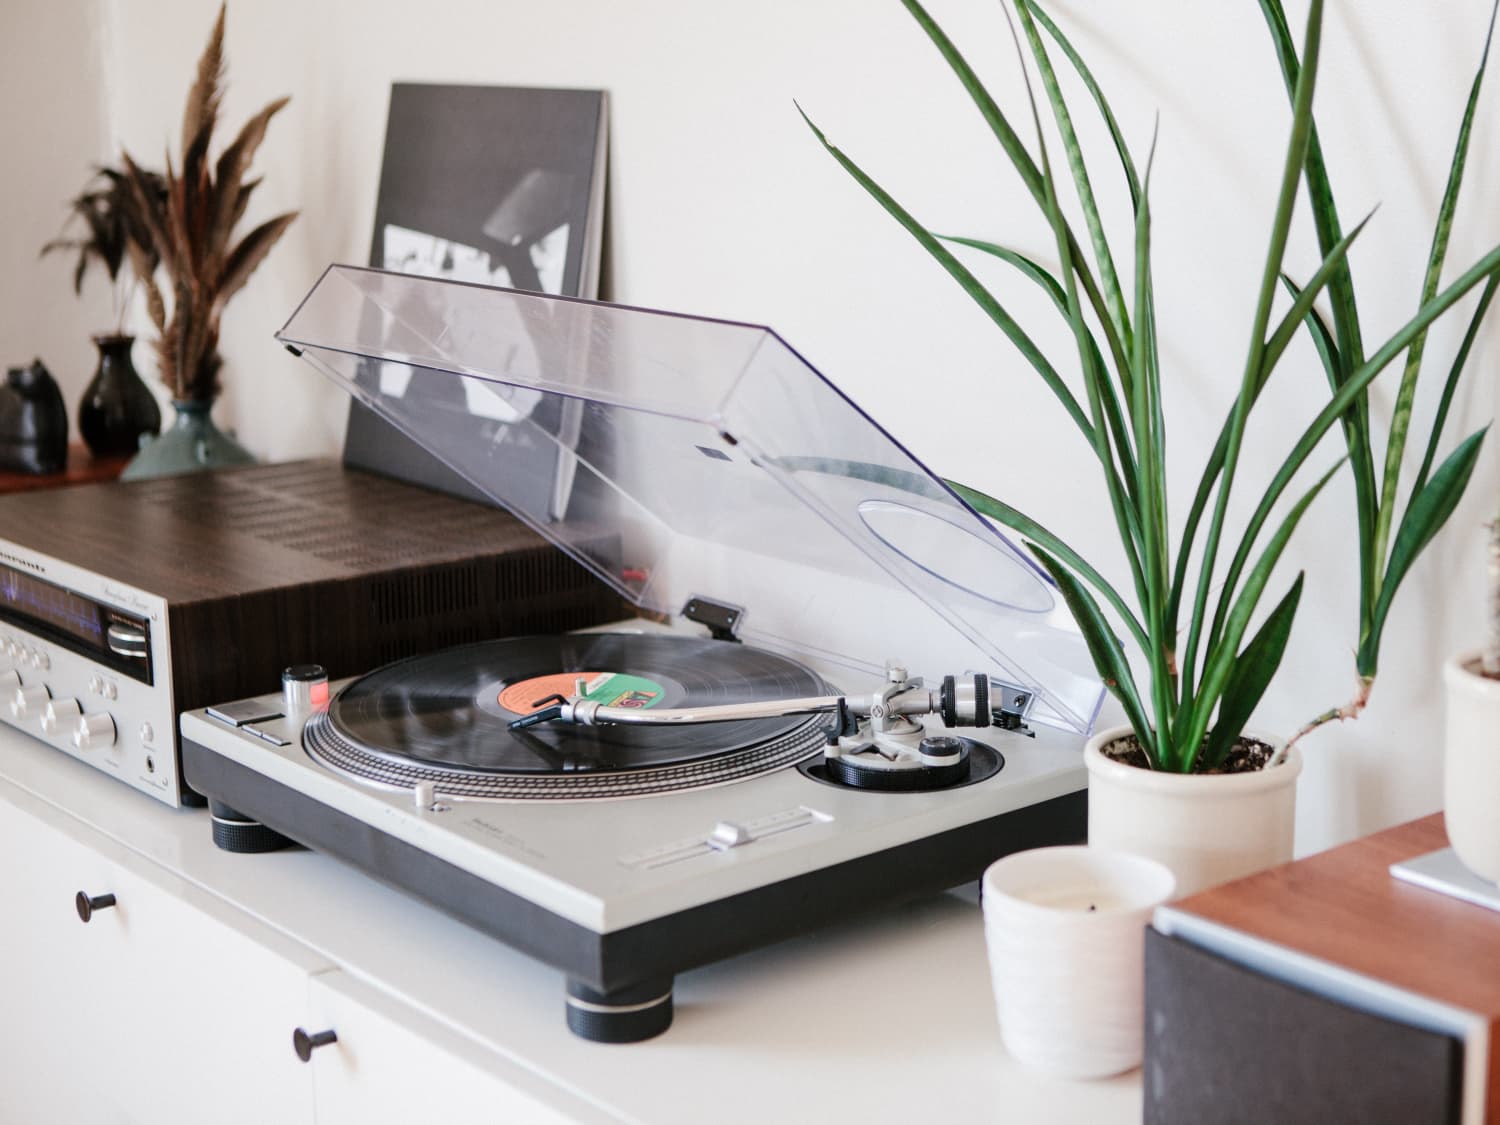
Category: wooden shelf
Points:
column 83, row 468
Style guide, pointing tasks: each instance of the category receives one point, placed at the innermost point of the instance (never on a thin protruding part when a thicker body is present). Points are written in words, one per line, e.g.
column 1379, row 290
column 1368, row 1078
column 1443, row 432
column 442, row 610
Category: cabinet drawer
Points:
column 393, row 1063
column 167, row 1006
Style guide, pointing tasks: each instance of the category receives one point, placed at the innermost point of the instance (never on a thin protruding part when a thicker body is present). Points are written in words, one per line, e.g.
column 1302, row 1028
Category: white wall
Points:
column 52, row 130
column 722, row 203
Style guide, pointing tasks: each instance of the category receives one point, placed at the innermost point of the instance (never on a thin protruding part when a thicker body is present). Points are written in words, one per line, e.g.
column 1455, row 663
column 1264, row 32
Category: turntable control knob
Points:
column 27, row 702
column 304, row 688
column 59, row 716
column 95, row 732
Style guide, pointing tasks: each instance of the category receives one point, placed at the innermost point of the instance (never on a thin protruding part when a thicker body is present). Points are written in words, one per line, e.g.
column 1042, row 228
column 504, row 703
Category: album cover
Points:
column 490, row 184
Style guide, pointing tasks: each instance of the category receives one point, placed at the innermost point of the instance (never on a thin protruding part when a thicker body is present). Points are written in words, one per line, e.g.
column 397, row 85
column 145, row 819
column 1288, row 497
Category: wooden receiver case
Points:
column 226, row 578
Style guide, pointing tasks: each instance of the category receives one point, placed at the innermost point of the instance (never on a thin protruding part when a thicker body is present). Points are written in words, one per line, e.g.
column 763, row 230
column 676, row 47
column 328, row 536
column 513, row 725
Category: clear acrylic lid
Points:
column 682, row 457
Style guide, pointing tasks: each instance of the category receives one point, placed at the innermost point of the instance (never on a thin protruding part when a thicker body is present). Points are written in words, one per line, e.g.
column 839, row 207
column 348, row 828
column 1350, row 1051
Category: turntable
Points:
column 742, row 763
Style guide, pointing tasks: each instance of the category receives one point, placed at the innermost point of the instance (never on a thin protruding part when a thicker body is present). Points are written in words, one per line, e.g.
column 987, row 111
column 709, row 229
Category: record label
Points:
column 612, row 689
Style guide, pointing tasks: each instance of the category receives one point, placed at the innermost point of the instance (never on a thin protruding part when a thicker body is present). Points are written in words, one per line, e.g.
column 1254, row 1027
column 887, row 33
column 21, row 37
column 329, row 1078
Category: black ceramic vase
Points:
column 33, row 422
column 117, row 407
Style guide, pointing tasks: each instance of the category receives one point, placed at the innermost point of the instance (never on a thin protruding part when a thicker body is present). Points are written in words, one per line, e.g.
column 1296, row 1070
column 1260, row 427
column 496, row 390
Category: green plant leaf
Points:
column 1053, row 288
column 1302, row 306
column 1429, row 510
column 1291, row 173
column 1406, row 394
column 1325, row 213
column 1483, row 270
column 1360, row 379
column 966, row 280
column 988, row 108
column 1109, row 280
column 1026, row 167
column 1249, row 678
column 1146, row 419
column 1218, row 662
column 1349, row 354
column 1147, row 325
column 1361, row 456
column 1029, row 529
column 1104, row 647
column 1303, row 298
column 1440, row 419
column 1095, row 380
column 1126, row 163
column 1322, row 335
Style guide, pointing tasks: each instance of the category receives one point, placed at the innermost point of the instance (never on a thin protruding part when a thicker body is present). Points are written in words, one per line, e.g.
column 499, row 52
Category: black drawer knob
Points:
column 305, row 1044
column 87, row 904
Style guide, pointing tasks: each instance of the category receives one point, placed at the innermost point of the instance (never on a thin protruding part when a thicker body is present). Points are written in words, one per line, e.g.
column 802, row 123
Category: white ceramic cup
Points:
column 1065, row 928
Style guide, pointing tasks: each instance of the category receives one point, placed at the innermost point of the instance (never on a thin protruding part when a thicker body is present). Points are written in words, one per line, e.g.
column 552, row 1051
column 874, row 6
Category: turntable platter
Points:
column 444, row 718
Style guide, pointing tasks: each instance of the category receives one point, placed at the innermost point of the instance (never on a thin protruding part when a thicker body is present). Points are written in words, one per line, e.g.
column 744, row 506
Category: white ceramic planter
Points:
column 1471, row 765
column 1207, row 828
column 1065, row 929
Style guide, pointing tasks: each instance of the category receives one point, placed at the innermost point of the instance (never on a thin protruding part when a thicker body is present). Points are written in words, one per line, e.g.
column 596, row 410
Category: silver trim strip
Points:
column 616, row 1009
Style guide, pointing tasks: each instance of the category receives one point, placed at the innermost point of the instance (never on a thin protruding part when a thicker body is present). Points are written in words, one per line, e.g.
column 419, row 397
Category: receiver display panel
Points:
column 117, row 639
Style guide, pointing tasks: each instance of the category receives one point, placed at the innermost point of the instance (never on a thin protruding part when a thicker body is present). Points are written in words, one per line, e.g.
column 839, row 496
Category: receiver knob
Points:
column 127, row 639
column 27, row 702
column 59, row 716
column 95, row 732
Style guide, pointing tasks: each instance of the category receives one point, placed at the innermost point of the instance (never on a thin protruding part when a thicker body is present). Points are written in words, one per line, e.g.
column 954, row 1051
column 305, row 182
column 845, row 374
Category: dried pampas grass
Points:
column 191, row 228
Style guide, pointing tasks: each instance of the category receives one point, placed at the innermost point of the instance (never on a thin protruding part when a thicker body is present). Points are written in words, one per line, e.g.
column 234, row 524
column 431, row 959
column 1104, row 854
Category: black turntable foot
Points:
column 236, row 832
column 626, row 1016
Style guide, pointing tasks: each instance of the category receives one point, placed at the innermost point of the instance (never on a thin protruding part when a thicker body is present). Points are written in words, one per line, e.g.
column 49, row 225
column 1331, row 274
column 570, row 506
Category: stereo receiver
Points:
column 123, row 604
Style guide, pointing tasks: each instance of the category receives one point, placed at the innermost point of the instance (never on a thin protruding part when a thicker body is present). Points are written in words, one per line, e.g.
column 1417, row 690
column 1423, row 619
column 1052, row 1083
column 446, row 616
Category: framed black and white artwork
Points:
column 496, row 185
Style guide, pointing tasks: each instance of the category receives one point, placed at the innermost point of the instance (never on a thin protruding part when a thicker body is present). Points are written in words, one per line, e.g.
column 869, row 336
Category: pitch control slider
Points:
column 959, row 702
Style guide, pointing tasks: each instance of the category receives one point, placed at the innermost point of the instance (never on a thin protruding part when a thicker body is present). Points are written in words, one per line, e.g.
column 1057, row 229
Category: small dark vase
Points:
column 117, row 407
column 33, row 422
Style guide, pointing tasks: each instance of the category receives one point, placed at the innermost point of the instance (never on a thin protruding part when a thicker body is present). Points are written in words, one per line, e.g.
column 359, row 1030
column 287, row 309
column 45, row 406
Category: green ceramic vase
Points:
column 192, row 443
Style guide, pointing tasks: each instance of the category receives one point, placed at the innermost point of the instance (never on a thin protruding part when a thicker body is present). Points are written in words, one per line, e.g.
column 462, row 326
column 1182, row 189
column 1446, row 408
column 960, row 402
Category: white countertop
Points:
column 884, row 1019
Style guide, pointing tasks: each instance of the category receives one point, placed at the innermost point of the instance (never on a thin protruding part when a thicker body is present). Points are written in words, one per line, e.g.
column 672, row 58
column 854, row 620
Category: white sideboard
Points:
column 179, row 1002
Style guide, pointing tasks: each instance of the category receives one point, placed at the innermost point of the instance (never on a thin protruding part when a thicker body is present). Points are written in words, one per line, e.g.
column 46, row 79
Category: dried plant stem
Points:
column 1351, row 710
column 190, row 224
column 1490, row 659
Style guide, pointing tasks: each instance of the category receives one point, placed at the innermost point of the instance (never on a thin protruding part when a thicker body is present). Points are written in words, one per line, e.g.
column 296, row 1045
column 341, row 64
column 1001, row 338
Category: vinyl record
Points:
column 451, row 710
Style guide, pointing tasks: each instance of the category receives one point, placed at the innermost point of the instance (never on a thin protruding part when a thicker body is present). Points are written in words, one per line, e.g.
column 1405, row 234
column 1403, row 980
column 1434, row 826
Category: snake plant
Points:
column 1205, row 668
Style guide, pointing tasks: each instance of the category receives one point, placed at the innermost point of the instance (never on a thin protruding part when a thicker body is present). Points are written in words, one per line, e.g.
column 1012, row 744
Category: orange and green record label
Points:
column 612, row 689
